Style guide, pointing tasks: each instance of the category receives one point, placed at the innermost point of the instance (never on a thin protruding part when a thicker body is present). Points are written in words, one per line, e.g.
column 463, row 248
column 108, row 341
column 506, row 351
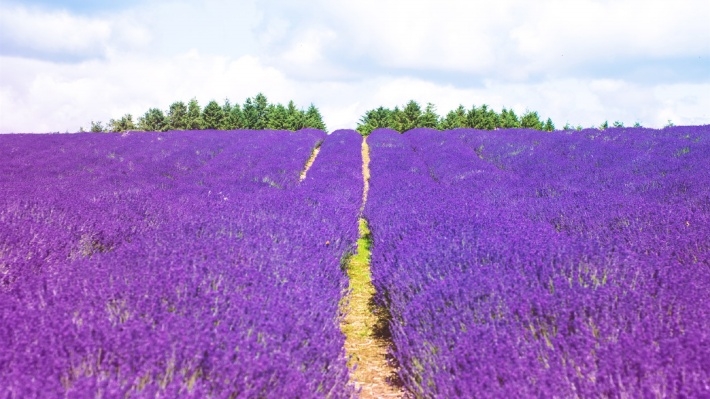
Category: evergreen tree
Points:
column 96, row 127
column 212, row 116
column 429, row 118
column 153, row 121
column 508, row 119
column 295, row 118
column 314, row 118
column 549, row 126
column 194, row 115
column 482, row 118
column 234, row 119
column 455, row 119
column 474, row 118
column 251, row 115
column 531, row 120
column 374, row 119
column 121, row 125
column 409, row 117
column 278, row 117
column 226, row 110
column 261, row 106
column 396, row 120
column 604, row 125
column 177, row 116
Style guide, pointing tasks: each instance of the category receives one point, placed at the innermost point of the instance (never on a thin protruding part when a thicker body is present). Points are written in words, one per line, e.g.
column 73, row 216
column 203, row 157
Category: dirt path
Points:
column 365, row 325
column 310, row 161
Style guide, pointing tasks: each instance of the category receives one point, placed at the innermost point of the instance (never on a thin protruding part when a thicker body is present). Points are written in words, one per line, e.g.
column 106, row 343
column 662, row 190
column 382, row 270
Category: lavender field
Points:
column 518, row 263
column 178, row 264
column 513, row 263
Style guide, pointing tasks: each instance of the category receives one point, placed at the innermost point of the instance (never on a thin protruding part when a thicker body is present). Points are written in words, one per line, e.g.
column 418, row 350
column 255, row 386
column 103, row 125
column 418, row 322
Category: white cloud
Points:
column 58, row 34
column 353, row 56
column 505, row 39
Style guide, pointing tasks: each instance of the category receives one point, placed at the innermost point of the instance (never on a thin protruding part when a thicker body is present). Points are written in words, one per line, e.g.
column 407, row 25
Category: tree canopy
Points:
column 411, row 116
column 256, row 113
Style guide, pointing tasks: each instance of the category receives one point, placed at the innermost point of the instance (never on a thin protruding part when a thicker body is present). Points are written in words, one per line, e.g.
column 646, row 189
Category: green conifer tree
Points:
column 212, row 116
column 531, row 120
column 234, row 119
column 314, row 118
column 153, row 121
column 226, row 110
column 96, row 127
column 429, row 118
column 125, row 123
column 177, row 116
column 396, row 120
column 549, row 126
column 409, row 117
column 261, row 109
column 508, row 119
column 295, row 118
column 194, row 116
column 250, row 114
column 374, row 119
column 456, row 118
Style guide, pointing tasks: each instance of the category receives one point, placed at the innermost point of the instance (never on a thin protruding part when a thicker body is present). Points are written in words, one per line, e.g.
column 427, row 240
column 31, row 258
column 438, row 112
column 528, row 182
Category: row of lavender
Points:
column 191, row 264
column 531, row 264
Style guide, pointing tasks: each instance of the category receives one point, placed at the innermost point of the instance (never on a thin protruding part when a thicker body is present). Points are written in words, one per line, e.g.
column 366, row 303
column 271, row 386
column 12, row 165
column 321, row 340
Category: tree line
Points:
column 255, row 114
column 412, row 115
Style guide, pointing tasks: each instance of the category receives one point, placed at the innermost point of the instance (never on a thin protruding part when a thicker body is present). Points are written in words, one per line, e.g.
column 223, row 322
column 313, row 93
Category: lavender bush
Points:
column 178, row 264
column 529, row 264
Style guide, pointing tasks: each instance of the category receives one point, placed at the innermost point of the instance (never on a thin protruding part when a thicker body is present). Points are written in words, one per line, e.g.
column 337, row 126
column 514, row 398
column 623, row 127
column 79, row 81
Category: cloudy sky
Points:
column 64, row 63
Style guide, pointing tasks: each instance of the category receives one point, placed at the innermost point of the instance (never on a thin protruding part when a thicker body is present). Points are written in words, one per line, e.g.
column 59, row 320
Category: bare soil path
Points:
column 364, row 324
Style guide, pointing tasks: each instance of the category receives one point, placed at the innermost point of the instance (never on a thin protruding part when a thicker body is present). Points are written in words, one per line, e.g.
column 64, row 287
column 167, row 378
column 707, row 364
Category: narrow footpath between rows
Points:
column 365, row 325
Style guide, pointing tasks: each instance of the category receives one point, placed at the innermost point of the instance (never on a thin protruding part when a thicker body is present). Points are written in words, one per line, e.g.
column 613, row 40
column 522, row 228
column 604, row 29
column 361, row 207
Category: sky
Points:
column 65, row 63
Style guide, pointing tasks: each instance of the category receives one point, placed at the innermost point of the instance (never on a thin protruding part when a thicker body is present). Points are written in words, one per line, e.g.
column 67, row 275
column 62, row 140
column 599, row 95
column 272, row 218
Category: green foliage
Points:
column 670, row 123
column 278, row 117
column 411, row 116
column 604, row 125
column 618, row 124
column 96, row 127
column 508, row 119
column 153, row 121
column 295, row 118
column 455, row 119
column 177, row 116
column 194, row 115
column 374, row 119
column 637, row 124
column 256, row 113
column 482, row 118
column 125, row 123
column 234, row 119
column 429, row 118
column 531, row 120
column 212, row 116
column 226, row 110
column 313, row 118
column 548, row 126
column 395, row 120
